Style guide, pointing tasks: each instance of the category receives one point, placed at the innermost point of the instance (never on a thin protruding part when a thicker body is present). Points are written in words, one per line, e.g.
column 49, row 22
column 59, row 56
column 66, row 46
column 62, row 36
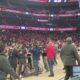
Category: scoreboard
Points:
column 55, row 1
column 44, row 1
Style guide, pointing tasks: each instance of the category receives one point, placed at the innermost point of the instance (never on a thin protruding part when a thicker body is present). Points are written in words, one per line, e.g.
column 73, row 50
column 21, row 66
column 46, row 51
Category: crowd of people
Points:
column 24, row 49
column 28, row 36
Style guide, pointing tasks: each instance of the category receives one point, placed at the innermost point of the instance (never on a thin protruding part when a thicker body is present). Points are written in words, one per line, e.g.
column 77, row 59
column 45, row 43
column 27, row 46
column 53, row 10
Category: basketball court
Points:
column 59, row 73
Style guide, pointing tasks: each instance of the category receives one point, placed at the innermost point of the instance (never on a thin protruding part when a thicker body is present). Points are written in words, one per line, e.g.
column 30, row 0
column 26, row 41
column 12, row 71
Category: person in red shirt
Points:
column 50, row 51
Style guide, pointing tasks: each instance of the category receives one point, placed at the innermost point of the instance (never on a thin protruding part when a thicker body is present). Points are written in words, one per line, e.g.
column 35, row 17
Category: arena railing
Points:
column 38, row 28
column 41, row 15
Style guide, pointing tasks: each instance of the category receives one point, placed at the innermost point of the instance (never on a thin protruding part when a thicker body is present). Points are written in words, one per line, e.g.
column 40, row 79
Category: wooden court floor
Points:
column 59, row 73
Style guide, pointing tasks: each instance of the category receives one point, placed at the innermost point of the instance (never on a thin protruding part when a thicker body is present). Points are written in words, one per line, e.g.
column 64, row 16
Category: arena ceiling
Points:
column 42, row 8
column 25, row 20
column 24, row 3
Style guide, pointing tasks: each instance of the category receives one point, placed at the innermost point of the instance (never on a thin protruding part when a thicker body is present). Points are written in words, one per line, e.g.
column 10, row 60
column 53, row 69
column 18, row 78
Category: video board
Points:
column 54, row 1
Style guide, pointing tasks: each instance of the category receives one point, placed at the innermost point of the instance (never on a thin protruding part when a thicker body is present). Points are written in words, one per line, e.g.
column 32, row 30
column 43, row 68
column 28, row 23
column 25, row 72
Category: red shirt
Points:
column 50, row 51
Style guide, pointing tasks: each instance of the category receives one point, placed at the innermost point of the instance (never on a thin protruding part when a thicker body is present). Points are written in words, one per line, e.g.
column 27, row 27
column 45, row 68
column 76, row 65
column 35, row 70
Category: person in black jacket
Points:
column 13, row 58
column 21, row 61
column 5, row 67
column 36, row 57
